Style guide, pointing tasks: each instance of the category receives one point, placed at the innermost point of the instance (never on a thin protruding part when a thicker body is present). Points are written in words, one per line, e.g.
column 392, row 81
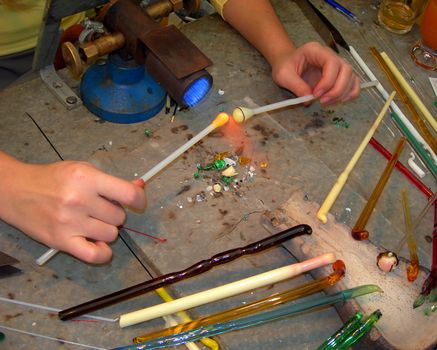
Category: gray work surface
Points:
column 301, row 147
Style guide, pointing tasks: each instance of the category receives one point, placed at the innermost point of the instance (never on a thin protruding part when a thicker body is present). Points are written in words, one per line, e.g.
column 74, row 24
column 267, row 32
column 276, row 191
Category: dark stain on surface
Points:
column 315, row 123
column 243, row 239
column 189, row 136
column 183, row 189
column 10, row 317
column 55, row 276
column 261, row 129
column 224, row 212
column 11, row 295
column 177, row 129
column 171, row 215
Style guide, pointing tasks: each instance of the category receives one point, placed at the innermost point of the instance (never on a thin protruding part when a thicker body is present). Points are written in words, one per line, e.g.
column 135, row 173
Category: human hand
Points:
column 70, row 206
column 316, row 69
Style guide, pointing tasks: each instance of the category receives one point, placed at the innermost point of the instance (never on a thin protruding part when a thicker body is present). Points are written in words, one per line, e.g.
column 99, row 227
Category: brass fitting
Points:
column 163, row 8
column 91, row 51
column 72, row 59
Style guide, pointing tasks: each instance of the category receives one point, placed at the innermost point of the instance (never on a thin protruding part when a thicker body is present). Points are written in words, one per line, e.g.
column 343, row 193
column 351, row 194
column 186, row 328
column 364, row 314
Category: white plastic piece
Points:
column 46, row 256
column 417, row 170
column 230, row 162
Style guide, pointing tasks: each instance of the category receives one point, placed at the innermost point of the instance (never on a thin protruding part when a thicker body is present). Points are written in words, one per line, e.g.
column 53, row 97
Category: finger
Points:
column 99, row 231
column 121, row 191
column 107, row 211
column 355, row 91
column 330, row 71
column 341, row 84
column 90, row 252
column 347, row 89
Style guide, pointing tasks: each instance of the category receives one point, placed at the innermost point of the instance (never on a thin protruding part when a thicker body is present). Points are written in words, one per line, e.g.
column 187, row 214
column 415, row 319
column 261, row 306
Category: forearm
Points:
column 8, row 170
column 257, row 21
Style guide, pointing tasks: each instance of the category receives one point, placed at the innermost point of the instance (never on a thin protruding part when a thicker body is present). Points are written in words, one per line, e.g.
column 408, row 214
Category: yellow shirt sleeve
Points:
column 219, row 5
column 20, row 25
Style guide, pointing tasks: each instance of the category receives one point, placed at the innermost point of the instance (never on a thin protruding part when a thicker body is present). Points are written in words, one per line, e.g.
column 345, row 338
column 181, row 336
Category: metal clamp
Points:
column 59, row 88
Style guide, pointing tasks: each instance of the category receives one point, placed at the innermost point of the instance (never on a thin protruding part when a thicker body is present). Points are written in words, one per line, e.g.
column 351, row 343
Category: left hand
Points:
column 315, row 69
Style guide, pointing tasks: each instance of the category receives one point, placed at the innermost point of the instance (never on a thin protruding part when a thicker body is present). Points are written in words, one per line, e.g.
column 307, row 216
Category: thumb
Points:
column 300, row 87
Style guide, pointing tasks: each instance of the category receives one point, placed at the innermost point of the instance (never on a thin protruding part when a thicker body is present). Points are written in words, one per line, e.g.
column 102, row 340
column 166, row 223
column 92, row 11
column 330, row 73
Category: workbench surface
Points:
column 301, row 146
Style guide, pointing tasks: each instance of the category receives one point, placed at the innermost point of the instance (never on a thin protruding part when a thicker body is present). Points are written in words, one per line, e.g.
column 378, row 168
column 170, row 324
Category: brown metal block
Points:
column 175, row 51
column 143, row 34
column 127, row 18
column 169, row 56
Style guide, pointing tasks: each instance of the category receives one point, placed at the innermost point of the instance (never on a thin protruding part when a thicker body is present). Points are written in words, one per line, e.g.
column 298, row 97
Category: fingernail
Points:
column 140, row 183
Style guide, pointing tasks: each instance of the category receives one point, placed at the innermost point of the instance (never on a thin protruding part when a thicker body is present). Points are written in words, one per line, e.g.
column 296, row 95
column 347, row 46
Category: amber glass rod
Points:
column 359, row 232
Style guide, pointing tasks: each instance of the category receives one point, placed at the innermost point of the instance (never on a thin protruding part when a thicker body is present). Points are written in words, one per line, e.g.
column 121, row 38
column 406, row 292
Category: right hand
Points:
column 70, row 206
